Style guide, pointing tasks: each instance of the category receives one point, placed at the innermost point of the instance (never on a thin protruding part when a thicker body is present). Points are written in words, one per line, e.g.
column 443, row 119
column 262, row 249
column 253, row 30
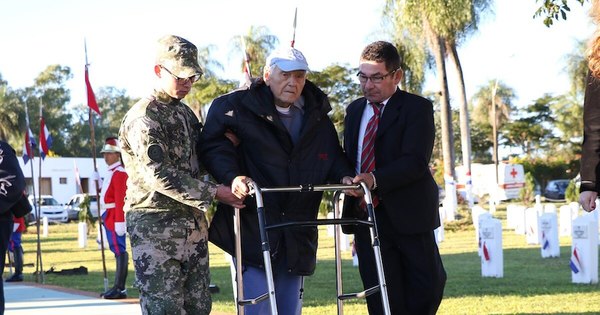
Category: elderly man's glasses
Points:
column 179, row 80
column 362, row 78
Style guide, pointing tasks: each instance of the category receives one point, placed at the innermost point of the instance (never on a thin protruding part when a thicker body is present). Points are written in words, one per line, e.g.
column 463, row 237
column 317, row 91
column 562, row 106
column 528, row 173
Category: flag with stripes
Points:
column 45, row 139
column 27, row 149
column 486, row 253
column 545, row 242
column 575, row 263
column 91, row 98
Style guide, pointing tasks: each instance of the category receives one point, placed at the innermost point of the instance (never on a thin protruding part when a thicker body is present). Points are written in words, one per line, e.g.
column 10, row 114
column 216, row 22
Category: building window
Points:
column 63, row 180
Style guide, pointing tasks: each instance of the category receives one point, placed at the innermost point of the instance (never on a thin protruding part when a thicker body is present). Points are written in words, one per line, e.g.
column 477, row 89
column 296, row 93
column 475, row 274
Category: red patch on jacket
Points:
column 323, row 156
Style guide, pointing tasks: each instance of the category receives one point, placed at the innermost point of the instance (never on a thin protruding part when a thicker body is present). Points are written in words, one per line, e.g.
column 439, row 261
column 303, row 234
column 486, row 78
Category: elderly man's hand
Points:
column 239, row 186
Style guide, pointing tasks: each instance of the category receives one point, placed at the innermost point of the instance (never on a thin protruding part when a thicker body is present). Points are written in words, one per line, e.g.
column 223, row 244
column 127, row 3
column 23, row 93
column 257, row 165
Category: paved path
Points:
column 29, row 298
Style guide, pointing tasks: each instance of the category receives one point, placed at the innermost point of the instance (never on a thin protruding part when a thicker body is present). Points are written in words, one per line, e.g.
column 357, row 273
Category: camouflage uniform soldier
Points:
column 165, row 199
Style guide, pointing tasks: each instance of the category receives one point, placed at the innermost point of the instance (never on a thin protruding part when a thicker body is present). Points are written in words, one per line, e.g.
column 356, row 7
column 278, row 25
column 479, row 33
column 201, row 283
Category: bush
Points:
column 572, row 192
column 527, row 193
column 85, row 214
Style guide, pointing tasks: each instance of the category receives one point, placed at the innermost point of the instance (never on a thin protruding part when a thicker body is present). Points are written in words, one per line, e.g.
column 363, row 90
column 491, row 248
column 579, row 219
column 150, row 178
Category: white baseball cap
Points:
column 287, row 59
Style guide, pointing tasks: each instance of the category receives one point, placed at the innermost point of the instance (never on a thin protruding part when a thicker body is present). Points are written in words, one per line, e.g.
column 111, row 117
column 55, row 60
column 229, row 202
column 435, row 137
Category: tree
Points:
column 493, row 105
column 50, row 93
column 113, row 104
column 12, row 116
column 552, row 10
column 259, row 43
column 532, row 131
column 429, row 20
column 338, row 83
column 206, row 90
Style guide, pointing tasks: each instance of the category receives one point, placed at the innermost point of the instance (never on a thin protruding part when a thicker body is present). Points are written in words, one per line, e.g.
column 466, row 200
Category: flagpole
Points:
column 96, row 180
column 40, row 274
column 294, row 34
column 36, row 208
column 246, row 61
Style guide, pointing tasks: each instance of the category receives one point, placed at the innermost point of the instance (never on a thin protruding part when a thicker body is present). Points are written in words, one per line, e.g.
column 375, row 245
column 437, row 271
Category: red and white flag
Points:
column 575, row 262
column 27, row 149
column 91, row 98
column 486, row 253
column 45, row 139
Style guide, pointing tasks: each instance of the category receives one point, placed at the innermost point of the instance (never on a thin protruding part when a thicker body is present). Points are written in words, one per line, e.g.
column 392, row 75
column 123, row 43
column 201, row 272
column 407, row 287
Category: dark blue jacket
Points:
column 267, row 155
column 12, row 182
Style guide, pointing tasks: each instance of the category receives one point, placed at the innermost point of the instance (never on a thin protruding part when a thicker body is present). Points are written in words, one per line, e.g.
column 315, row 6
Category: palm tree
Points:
column 493, row 105
column 259, row 42
column 11, row 115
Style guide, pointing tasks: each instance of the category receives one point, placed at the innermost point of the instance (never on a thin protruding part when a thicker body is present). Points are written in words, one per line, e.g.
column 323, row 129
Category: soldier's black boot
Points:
column 118, row 291
column 18, row 263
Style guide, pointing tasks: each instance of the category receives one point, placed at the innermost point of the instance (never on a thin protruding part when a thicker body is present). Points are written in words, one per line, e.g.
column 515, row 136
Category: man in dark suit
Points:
column 394, row 163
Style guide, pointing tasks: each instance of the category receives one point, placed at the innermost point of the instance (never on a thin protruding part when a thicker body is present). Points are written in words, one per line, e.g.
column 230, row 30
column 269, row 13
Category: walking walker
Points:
column 337, row 221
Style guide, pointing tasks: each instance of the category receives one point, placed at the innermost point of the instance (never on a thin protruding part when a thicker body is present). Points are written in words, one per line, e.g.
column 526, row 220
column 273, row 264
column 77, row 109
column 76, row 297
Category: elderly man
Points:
column 284, row 137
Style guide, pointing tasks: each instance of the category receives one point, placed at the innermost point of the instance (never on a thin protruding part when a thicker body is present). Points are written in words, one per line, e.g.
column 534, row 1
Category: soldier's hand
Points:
column 226, row 196
column 232, row 137
column 239, row 186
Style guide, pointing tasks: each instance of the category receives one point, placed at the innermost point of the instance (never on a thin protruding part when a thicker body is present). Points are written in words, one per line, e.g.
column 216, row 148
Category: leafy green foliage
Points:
column 527, row 193
column 572, row 192
column 552, row 10
column 85, row 215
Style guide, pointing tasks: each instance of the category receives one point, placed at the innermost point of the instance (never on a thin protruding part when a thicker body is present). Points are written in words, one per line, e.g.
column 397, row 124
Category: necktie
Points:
column 367, row 158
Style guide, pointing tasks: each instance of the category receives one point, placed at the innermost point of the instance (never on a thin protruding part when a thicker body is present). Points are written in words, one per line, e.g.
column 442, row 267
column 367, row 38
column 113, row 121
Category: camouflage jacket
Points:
column 158, row 138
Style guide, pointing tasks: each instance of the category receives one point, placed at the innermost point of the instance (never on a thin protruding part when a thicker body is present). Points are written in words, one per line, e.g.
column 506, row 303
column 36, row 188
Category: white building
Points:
column 58, row 176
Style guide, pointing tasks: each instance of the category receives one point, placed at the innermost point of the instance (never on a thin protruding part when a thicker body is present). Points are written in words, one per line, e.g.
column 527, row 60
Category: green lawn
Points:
column 531, row 284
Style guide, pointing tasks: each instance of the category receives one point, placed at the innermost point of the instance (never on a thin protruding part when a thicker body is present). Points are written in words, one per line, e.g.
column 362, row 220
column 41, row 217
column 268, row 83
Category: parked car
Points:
column 555, row 189
column 49, row 208
column 73, row 206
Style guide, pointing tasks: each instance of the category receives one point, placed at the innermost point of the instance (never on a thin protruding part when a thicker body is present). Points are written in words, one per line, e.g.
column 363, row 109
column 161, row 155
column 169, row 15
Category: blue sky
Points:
column 510, row 46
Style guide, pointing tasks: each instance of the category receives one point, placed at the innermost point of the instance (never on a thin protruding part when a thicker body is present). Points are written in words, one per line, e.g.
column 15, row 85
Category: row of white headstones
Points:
column 541, row 226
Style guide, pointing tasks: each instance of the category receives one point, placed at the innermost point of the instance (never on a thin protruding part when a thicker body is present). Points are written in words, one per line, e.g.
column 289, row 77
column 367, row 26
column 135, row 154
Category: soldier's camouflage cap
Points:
column 179, row 56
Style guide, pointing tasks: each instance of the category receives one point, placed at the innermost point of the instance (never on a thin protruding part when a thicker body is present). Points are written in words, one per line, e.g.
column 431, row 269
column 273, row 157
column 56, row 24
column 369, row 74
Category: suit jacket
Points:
column 590, row 150
column 403, row 147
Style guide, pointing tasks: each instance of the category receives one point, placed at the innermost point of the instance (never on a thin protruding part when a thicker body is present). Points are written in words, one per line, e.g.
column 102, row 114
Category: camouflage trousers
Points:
column 170, row 256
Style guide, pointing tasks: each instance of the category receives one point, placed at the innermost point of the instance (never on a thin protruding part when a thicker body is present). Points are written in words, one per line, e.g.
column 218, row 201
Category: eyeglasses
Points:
column 179, row 80
column 362, row 78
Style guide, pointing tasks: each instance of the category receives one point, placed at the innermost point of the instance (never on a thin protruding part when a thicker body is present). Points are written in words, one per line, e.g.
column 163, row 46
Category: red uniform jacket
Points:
column 112, row 198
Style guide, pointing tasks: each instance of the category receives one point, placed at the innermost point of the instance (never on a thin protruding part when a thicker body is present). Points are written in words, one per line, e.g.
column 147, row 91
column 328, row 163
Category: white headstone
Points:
column 45, row 226
column 330, row 227
column 492, row 205
column 532, row 234
column 566, row 217
column 482, row 217
column 575, row 208
column 519, row 220
column 439, row 231
column 476, row 211
column 513, row 213
column 549, row 244
column 492, row 260
column 549, row 208
column 584, row 250
column 450, row 201
column 82, row 234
